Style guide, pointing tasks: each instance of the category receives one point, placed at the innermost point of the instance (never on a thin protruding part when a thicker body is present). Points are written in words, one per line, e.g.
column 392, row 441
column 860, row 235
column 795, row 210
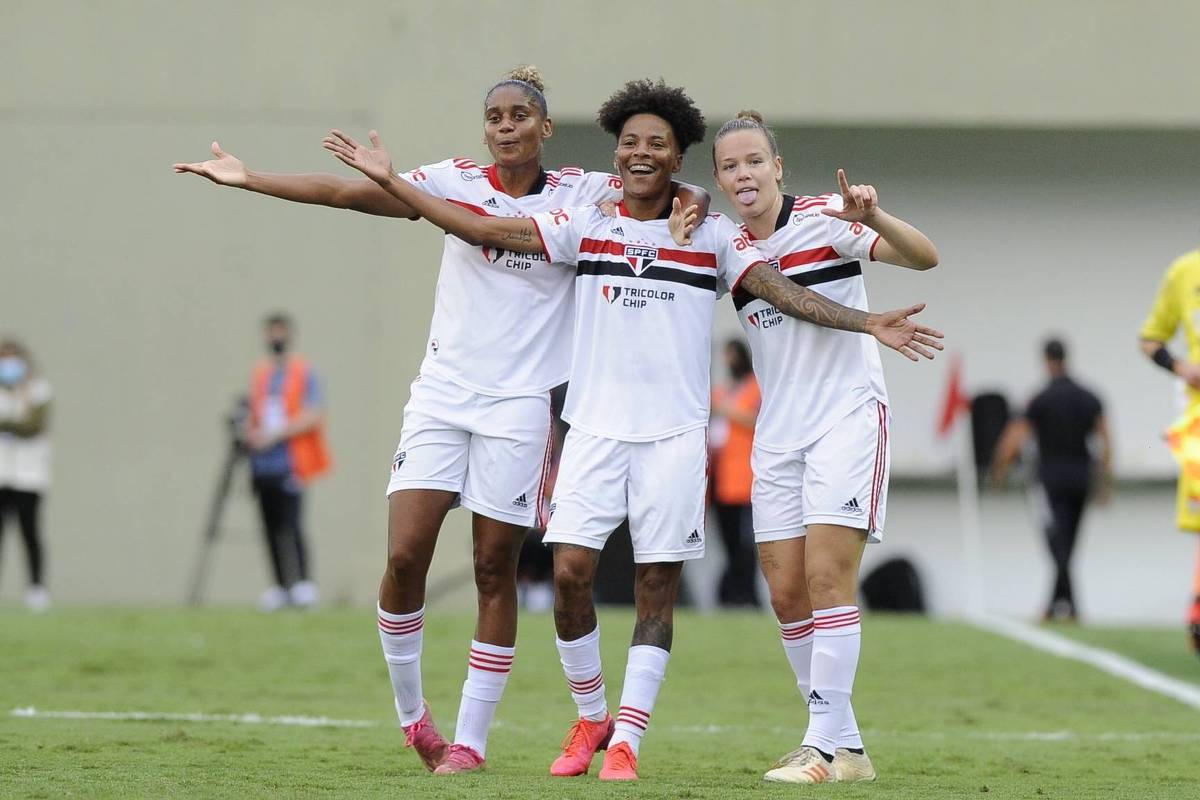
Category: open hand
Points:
column 682, row 222
column 859, row 202
column 897, row 331
column 373, row 161
column 224, row 169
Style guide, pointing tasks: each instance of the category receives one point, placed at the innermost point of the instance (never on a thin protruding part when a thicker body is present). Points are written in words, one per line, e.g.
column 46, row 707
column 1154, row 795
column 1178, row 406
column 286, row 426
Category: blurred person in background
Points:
column 287, row 450
column 1176, row 305
column 24, row 457
column 1064, row 419
column 735, row 405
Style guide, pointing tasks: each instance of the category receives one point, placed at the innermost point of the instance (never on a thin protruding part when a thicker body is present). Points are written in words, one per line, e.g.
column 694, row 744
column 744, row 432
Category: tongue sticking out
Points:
column 747, row 196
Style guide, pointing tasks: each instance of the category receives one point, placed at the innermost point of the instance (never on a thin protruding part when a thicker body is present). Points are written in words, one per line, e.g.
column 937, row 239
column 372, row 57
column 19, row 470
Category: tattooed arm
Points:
column 891, row 328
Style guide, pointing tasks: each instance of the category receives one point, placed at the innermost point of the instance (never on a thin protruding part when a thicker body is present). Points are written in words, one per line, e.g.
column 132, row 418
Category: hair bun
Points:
column 527, row 73
column 750, row 114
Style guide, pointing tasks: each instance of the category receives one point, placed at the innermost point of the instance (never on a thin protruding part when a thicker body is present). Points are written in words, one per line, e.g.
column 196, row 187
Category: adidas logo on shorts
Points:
column 852, row 507
column 491, row 203
column 815, row 699
column 694, row 537
column 521, row 502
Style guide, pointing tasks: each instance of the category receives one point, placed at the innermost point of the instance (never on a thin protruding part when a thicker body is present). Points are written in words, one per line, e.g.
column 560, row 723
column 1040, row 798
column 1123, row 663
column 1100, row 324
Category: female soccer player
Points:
column 477, row 427
column 638, row 395
column 821, row 456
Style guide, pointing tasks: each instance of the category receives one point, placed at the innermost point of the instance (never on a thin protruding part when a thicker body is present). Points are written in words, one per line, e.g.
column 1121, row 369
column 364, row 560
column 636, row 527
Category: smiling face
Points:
column 747, row 172
column 513, row 127
column 647, row 155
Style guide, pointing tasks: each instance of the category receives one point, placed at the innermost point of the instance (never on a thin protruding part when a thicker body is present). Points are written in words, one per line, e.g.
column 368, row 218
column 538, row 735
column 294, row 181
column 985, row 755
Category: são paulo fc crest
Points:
column 775, row 264
column 640, row 257
column 611, row 293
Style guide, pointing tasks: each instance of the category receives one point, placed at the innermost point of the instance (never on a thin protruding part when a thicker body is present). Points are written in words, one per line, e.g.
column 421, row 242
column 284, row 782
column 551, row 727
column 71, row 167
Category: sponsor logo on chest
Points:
column 766, row 318
column 635, row 297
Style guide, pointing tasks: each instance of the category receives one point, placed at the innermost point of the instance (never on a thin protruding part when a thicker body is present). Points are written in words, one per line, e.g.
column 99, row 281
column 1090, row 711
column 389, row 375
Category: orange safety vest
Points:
column 308, row 452
column 732, row 461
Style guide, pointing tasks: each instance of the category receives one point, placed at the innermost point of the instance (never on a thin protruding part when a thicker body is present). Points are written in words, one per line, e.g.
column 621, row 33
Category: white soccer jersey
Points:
column 501, row 320
column 643, row 318
column 811, row 377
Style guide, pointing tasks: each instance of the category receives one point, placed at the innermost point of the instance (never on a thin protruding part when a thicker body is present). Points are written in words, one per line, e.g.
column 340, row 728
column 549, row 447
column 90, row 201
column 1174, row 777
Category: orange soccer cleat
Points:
column 423, row 737
column 580, row 745
column 620, row 764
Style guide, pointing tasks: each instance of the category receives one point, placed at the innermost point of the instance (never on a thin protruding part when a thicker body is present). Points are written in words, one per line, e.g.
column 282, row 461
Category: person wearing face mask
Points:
column 24, row 457
column 285, row 439
column 735, row 405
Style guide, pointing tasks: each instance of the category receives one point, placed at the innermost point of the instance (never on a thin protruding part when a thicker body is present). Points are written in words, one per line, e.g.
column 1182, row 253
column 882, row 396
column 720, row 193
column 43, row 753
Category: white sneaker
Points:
column 806, row 765
column 303, row 594
column 851, row 767
column 37, row 599
column 273, row 599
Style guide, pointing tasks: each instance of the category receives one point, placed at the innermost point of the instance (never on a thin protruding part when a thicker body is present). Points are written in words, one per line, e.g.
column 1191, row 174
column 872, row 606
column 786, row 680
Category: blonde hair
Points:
column 747, row 120
column 528, row 78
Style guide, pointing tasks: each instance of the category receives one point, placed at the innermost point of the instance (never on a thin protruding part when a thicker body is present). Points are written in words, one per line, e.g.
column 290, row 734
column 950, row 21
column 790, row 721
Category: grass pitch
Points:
column 947, row 711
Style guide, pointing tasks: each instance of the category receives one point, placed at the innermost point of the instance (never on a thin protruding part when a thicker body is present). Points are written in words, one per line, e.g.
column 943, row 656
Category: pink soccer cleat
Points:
column 580, row 744
column 423, row 737
column 620, row 764
column 460, row 759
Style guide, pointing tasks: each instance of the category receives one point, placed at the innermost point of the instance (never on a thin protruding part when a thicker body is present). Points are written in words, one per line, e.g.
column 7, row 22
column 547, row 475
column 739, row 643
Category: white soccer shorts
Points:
column 659, row 485
column 840, row 479
column 493, row 451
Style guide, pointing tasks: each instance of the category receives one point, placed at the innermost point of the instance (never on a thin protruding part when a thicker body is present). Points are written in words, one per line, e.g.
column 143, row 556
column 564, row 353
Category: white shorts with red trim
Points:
column 658, row 485
column 840, row 479
column 494, row 452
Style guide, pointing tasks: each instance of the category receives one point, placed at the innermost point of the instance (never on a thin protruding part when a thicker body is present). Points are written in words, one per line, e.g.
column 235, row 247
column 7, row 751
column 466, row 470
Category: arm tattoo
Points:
column 654, row 631
column 800, row 302
column 523, row 235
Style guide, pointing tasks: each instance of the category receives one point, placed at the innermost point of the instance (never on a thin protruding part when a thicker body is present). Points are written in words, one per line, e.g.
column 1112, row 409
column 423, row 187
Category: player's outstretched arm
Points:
column 511, row 233
column 899, row 243
column 892, row 328
column 315, row 188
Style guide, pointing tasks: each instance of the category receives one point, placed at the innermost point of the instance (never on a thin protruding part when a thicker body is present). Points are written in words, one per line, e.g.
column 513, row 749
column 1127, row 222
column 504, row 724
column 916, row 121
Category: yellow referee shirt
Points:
column 1178, row 302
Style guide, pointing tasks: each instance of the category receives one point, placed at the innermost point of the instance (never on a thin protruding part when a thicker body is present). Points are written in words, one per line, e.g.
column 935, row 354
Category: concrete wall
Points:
column 141, row 291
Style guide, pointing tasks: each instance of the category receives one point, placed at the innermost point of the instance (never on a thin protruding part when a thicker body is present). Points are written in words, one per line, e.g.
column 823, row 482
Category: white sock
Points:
column 581, row 664
column 837, row 638
column 400, row 635
column 644, row 673
column 797, row 640
column 488, row 666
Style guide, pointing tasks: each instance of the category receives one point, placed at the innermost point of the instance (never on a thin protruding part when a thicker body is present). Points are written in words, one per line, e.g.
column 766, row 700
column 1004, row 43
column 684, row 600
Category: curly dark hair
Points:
column 650, row 97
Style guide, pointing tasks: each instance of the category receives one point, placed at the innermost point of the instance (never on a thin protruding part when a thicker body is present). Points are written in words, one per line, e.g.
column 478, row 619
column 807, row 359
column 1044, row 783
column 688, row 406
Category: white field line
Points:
column 712, row 730
column 165, row 716
column 1105, row 660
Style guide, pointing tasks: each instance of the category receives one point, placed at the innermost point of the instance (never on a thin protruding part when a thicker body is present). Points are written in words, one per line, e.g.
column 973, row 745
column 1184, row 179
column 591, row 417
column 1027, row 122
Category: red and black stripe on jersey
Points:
column 792, row 205
column 702, row 273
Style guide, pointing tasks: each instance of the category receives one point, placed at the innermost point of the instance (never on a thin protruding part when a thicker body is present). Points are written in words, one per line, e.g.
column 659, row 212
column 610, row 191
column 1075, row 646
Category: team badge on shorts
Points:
column 398, row 461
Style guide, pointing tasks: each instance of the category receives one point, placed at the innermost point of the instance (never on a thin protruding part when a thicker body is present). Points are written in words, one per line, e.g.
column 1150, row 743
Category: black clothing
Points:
column 24, row 505
column 279, row 502
column 738, row 586
column 1063, row 417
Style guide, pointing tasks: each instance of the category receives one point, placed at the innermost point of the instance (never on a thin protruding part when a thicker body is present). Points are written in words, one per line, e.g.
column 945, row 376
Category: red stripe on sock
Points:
column 486, row 668
column 491, row 658
column 624, row 710
column 584, row 687
column 400, row 628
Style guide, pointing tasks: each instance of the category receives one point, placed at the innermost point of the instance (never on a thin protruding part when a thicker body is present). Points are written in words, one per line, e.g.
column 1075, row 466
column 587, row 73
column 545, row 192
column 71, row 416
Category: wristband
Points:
column 1164, row 359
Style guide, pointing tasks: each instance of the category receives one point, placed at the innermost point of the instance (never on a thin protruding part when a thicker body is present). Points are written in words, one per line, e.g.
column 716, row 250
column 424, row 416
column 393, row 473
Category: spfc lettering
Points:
column 640, row 257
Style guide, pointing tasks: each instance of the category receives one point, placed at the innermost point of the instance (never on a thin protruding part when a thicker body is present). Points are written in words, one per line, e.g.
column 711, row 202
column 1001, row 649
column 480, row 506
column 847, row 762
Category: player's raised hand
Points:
column 373, row 161
column 897, row 331
column 608, row 208
column 859, row 202
column 682, row 222
column 224, row 169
